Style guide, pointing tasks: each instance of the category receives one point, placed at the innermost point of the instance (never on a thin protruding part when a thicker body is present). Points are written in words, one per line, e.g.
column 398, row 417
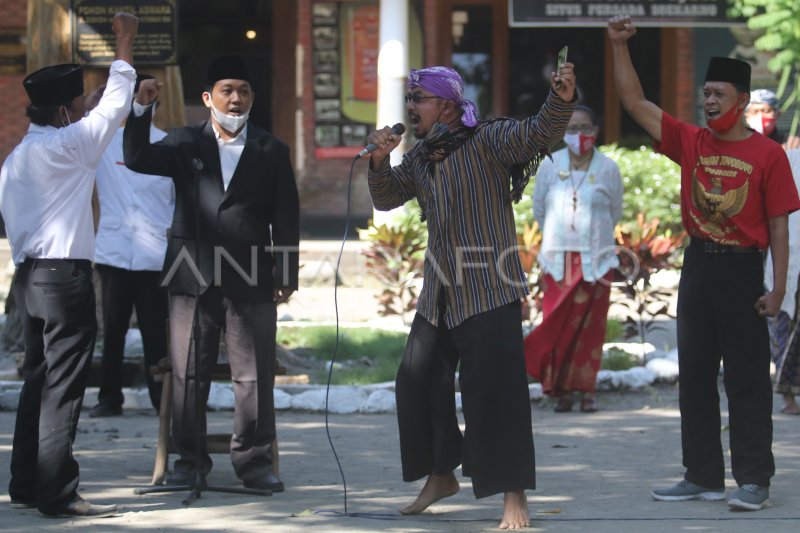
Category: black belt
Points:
column 711, row 247
column 58, row 264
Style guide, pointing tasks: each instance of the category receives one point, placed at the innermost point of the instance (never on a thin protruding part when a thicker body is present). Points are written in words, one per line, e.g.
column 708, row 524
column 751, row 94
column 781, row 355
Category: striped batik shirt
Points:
column 472, row 245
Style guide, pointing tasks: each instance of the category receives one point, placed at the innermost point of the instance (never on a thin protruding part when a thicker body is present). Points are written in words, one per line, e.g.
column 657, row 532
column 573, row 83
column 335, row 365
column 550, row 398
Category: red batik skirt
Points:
column 564, row 351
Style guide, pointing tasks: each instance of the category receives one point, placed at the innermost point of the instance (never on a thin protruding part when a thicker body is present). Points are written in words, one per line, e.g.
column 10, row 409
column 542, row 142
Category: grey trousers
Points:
column 249, row 329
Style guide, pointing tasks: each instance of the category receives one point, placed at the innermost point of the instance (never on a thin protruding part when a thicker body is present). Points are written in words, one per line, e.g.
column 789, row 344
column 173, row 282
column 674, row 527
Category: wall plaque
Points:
column 93, row 38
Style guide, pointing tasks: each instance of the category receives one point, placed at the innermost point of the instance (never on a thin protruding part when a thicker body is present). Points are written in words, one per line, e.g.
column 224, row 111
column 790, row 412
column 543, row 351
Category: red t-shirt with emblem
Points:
column 729, row 189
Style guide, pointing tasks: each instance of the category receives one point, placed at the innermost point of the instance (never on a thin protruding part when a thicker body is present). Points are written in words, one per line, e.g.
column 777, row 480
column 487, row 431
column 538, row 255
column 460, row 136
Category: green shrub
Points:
column 615, row 330
column 652, row 185
column 616, row 359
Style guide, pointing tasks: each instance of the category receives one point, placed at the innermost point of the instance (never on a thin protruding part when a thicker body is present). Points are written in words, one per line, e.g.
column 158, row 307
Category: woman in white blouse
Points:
column 577, row 201
column 784, row 329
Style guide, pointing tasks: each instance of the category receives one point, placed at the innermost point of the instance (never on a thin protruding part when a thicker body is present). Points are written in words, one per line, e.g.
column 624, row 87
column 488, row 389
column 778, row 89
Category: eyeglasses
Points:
column 418, row 97
column 586, row 129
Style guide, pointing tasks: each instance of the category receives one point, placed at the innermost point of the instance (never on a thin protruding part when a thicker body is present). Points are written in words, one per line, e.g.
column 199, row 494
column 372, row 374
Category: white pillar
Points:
column 392, row 73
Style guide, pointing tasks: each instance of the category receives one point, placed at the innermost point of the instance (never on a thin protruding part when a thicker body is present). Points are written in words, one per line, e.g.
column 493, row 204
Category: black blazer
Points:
column 236, row 229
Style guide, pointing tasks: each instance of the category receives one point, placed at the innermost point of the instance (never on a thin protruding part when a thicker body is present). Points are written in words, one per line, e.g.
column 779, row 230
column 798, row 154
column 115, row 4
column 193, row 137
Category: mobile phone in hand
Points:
column 562, row 58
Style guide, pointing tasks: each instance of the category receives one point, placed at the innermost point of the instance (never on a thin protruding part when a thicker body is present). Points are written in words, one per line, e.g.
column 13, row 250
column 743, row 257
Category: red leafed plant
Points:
column 395, row 256
column 643, row 253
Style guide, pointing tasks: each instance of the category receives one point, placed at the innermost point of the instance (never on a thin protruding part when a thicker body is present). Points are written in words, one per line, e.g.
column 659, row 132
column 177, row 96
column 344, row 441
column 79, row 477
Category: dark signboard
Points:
column 708, row 13
column 93, row 38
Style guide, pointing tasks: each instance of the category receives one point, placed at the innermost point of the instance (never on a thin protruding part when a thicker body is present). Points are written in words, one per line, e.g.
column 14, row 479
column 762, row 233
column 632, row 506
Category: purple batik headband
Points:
column 445, row 83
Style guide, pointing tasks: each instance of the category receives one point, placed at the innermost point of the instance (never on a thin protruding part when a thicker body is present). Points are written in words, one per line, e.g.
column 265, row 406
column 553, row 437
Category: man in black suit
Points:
column 233, row 250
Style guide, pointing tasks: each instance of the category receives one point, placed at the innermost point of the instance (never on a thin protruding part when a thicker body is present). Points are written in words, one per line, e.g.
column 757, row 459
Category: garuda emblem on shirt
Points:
column 717, row 206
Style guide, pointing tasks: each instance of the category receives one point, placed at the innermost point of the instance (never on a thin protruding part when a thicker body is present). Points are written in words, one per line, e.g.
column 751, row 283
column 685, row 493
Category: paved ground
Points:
column 594, row 474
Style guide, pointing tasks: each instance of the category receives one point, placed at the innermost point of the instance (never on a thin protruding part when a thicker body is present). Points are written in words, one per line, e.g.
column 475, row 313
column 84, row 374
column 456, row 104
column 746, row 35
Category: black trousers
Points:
column 716, row 318
column 496, row 450
column 122, row 290
column 250, row 339
column 58, row 318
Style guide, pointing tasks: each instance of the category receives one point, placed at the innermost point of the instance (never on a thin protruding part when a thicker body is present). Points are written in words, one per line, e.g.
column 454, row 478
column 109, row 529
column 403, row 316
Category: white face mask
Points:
column 232, row 123
column 573, row 142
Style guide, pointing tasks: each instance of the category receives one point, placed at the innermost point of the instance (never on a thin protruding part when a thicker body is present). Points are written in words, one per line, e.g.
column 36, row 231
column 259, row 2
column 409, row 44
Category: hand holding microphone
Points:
column 383, row 141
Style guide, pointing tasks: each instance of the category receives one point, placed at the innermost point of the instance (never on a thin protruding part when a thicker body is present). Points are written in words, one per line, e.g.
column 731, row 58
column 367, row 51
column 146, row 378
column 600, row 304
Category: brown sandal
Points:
column 564, row 404
column 588, row 405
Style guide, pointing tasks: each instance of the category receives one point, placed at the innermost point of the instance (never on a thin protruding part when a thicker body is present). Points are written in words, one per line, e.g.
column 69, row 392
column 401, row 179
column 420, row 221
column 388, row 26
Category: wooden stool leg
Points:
column 164, row 421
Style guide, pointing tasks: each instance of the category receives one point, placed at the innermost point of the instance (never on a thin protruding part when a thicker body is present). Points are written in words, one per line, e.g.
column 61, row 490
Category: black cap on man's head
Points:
column 729, row 70
column 54, row 85
column 230, row 67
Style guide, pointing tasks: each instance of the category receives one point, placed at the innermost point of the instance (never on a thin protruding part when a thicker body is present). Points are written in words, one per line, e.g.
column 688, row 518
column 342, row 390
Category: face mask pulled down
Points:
column 578, row 143
column 232, row 123
column 727, row 120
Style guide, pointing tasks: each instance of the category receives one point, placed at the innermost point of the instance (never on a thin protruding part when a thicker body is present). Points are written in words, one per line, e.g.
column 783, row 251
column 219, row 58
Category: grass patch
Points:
column 365, row 355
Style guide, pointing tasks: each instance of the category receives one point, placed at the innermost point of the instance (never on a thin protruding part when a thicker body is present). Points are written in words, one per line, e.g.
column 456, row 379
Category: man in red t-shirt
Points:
column 736, row 193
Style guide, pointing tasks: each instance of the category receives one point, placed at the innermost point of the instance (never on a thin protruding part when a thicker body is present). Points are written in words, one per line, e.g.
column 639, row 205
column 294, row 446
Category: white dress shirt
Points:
column 46, row 181
column 135, row 211
column 229, row 153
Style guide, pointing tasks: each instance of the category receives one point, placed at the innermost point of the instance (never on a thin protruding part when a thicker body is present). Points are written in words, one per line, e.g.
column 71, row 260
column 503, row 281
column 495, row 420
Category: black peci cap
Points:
column 230, row 67
column 54, row 85
column 729, row 70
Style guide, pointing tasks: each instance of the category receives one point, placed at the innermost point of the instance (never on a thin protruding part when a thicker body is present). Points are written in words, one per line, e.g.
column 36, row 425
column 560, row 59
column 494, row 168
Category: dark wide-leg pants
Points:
column 496, row 450
column 58, row 318
column 250, row 339
column 717, row 318
column 122, row 290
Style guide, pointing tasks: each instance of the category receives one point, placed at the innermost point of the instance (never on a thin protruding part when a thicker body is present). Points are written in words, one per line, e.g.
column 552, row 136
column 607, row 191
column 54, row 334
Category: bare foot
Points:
column 790, row 409
column 515, row 511
column 436, row 488
column 789, row 405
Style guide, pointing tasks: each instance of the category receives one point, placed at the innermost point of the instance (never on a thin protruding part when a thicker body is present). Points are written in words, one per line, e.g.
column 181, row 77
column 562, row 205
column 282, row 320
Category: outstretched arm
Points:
column 629, row 88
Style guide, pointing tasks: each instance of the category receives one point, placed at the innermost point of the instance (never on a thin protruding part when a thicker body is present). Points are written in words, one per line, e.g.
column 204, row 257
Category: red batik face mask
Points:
column 578, row 143
column 727, row 120
column 762, row 124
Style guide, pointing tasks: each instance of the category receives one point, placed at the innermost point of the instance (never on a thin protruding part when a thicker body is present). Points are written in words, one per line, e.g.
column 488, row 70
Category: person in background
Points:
column 784, row 329
column 736, row 194
column 45, row 199
column 577, row 201
column 135, row 213
column 232, row 254
column 762, row 115
column 465, row 175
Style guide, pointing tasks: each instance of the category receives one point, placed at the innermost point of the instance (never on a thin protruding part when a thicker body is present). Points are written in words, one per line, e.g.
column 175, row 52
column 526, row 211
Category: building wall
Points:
column 14, row 123
column 323, row 183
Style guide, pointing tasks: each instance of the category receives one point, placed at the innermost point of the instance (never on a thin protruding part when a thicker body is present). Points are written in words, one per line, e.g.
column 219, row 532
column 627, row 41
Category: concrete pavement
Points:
column 594, row 473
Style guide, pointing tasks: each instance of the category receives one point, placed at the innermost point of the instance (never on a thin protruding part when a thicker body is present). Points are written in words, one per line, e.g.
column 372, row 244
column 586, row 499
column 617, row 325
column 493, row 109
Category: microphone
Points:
column 397, row 129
